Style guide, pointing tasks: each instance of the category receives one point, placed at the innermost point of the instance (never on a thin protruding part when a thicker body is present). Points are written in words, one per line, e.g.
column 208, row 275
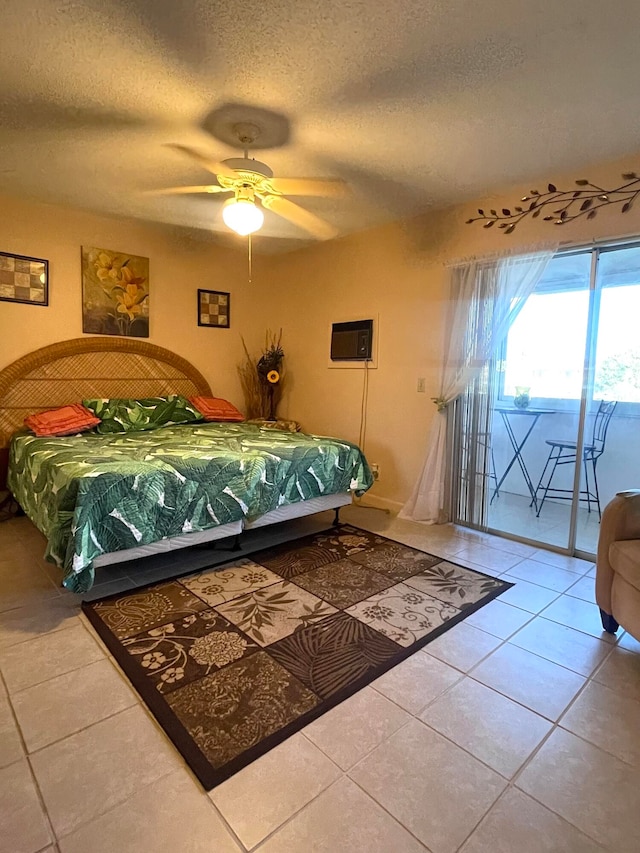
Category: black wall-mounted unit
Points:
column 352, row 341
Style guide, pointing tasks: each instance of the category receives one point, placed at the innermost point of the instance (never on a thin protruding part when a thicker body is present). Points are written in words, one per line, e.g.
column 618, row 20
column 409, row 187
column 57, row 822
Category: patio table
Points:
column 507, row 412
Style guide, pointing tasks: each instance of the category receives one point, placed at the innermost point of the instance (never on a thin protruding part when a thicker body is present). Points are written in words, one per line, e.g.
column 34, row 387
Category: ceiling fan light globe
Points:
column 242, row 216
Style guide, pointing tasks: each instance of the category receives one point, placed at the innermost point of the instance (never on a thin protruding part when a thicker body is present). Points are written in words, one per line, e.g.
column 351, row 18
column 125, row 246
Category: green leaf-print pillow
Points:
column 124, row 415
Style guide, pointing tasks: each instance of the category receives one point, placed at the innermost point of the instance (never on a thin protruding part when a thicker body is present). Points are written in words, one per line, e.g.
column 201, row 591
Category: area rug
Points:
column 234, row 659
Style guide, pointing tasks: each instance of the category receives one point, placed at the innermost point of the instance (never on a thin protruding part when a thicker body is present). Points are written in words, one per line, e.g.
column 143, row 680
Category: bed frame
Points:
column 81, row 368
column 74, row 370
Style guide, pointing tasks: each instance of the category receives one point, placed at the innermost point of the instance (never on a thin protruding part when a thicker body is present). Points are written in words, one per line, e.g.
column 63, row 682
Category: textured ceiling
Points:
column 416, row 103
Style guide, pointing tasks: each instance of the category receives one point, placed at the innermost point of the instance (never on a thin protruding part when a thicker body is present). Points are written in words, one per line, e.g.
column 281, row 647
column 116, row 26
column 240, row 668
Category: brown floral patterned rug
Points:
column 233, row 660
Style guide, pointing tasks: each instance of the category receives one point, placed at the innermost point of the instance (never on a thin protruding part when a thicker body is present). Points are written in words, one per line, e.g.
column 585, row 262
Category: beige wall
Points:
column 373, row 273
column 178, row 267
column 397, row 271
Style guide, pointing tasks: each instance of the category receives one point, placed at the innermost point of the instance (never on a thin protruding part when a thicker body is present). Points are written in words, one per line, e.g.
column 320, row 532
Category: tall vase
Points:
column 272, row 408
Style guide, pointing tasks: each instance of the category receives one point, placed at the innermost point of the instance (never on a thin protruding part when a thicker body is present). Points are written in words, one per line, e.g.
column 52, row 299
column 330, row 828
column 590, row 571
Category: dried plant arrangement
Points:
column 262, row 378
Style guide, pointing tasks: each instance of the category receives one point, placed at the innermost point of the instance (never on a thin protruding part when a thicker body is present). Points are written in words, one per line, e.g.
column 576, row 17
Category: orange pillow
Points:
column 216, row 409
column 66, row 420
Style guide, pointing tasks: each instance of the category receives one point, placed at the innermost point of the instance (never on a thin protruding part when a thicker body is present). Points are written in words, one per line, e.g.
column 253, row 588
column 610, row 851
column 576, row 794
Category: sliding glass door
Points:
column 563, row 406
column 536, row 418
column 611, row 458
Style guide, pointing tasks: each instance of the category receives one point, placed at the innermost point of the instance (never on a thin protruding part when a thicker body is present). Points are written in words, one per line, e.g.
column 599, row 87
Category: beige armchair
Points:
column 618, row 564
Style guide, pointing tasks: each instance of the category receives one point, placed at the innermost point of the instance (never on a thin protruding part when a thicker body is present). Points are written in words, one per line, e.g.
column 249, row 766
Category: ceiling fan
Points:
column 254, row 187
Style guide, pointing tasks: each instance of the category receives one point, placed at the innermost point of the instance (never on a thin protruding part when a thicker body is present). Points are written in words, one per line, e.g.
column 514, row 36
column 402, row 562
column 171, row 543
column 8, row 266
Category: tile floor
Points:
column 517, row 730
column 511, row 513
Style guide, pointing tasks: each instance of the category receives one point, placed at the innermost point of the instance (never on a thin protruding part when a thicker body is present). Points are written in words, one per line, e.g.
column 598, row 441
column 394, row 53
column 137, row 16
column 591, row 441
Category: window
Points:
column 545, row 347
column 617, row 374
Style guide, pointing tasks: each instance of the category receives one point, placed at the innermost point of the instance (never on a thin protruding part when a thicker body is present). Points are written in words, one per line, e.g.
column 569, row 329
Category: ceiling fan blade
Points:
column 299, row 216
column 206, row 188
column 326, row 187
column 213, row 166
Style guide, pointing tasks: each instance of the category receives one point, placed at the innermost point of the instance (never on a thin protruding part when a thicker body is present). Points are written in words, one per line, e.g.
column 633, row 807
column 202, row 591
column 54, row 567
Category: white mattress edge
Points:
column 283, row 513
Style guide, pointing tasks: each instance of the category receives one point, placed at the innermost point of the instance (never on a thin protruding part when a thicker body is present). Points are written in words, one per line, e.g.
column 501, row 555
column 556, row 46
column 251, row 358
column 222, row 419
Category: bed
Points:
column 105, row 498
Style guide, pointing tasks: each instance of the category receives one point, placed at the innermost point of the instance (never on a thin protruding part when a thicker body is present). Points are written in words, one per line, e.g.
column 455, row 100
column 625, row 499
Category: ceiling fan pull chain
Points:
column 249, row 244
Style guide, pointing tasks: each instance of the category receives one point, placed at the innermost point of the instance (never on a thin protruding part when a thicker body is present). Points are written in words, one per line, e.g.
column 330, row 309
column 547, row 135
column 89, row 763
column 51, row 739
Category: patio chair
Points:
column 563, row 452
column 484, row 441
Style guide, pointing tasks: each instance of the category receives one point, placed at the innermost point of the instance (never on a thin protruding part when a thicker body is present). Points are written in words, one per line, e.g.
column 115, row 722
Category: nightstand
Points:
column 282, row 425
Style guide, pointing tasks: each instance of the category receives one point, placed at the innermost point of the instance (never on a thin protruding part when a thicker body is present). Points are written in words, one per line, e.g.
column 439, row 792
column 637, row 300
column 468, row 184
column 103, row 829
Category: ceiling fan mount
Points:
column 249, row 172
column 247, row 168
column 247, row 133
column 229, row 122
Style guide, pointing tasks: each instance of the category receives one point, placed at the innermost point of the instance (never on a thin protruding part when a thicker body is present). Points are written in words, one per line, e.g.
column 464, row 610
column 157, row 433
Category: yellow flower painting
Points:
column 115, row 293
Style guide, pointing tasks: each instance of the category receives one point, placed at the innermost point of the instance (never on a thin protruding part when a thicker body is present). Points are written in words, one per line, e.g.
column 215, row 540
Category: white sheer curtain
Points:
column 487, row 296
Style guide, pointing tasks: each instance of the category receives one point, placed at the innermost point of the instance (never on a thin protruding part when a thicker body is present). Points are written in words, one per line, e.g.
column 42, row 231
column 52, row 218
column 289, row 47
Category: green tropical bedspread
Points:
column 91, row 494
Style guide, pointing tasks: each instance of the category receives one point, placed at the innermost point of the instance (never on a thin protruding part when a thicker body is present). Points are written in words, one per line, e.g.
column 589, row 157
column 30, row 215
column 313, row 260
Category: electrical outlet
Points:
column 421, row 385
column 375, row 470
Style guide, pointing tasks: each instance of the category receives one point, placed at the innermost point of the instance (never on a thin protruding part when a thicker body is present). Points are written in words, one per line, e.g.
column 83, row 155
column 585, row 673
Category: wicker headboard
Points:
column 70, row 371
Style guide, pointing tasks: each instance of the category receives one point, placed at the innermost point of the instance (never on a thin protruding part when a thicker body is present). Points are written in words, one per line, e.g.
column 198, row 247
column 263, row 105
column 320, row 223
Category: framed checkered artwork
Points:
column 24, row 279
column 214, row 308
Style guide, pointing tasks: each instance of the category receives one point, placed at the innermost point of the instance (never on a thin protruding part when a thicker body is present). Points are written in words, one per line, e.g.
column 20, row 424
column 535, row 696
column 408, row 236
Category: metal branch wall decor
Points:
column 562, row 206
